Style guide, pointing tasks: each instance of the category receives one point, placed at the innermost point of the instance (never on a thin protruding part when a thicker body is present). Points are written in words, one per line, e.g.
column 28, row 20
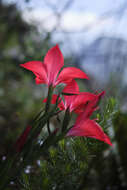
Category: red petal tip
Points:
column 21, row 65
column 57, row 46
column 107, row 140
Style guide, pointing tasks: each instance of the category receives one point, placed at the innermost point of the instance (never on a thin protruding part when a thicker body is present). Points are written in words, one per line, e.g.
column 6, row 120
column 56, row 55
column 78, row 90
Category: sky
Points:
column 74, row 18
column 81, row 20
column 77, row 9
column 96, row 6
column 80, row 23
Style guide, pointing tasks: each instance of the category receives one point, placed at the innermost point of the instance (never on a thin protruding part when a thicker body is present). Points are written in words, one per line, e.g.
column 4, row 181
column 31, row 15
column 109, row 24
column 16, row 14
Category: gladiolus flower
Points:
column 48, row 72
column 89, row 128
column 86, row 127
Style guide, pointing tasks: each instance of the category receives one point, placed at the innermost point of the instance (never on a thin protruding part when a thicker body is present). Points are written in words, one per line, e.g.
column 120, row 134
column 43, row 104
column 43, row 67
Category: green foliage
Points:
column 19, row 96
column 68, row 164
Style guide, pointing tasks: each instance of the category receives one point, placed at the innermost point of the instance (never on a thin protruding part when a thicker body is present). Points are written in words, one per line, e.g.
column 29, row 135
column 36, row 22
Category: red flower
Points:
column 87, row 127
column 22, row 139
column 72, row 102
column 47, row 72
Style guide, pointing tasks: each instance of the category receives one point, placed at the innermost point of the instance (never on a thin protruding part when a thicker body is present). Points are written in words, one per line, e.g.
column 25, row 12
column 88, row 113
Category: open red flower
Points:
column 47, row 72
column 86, row 127
column 89, row 128
column 72, row 102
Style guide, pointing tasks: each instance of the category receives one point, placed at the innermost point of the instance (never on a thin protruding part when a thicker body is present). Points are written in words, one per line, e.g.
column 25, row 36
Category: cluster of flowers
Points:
column 51, row 73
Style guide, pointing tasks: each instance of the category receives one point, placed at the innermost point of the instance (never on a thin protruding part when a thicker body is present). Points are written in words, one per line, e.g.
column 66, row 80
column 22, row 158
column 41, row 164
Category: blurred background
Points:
column 92, row 35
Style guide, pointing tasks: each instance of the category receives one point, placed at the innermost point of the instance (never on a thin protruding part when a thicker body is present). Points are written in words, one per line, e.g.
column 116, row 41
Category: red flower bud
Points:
column 22, row 139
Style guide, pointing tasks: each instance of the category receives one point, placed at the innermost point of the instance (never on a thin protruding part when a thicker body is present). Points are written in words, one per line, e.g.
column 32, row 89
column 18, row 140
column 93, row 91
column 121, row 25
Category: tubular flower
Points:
column 22, row 139
column 48, row 71
column 86, row 127
column 72, row 102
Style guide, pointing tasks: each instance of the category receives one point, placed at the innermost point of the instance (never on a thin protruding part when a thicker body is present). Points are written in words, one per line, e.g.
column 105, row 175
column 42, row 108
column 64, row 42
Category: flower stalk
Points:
column 66, row 120
column 47, row 107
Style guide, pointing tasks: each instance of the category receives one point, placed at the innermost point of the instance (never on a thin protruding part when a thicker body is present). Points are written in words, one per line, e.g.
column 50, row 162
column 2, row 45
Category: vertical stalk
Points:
column 49, row 98
column 47, row 107
column 66, row 120
column 6, row 174
column 41, row 120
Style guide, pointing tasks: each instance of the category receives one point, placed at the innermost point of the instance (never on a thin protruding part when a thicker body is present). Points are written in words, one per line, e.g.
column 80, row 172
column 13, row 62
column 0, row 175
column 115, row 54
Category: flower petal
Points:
column 38, row 68
column 53, row 61
column 69, row 73
column 86, row 110
column 71, row 88
column 53, row 101
column 80, row 101
column 89, row 128
column 39, row 81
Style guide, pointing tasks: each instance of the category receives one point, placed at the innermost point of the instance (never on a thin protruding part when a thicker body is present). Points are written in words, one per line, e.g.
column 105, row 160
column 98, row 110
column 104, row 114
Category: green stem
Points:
column 39, row 123
column 48, row 127
column 66, row 120
column 48, row 103
column 49, row 98
column 6, row 174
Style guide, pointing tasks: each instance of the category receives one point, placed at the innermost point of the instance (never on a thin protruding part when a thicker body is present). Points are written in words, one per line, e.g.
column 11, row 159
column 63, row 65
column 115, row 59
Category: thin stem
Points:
column 49, row 98
column 38, row 115
column 48, row 127
column 39, row 122
column 48, row 103
column 66, row 120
